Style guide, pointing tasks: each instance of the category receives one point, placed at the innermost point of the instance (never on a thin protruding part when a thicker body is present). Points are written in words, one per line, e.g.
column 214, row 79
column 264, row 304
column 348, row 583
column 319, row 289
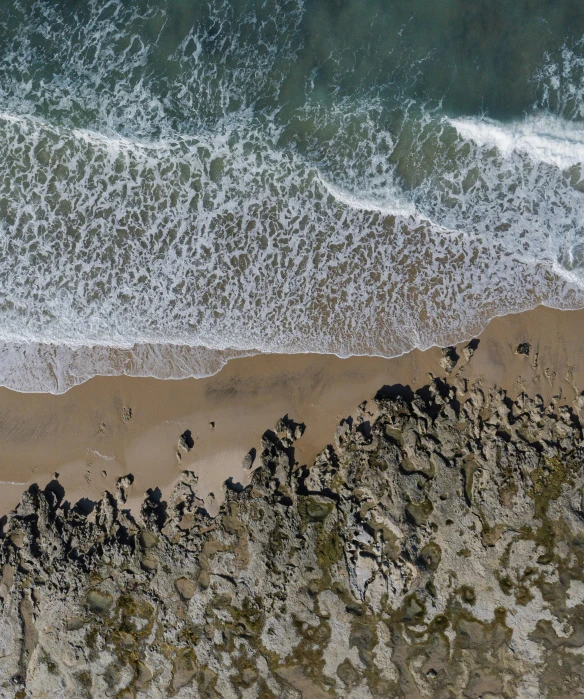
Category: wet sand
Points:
column 112, row 426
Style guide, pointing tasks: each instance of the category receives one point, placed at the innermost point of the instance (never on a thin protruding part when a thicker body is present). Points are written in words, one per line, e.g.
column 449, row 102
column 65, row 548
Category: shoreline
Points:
column 433, row 549
column 223, row 356
column 121, row 425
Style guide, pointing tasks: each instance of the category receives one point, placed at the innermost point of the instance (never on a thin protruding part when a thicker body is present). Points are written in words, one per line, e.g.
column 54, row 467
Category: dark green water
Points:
column 185, row 181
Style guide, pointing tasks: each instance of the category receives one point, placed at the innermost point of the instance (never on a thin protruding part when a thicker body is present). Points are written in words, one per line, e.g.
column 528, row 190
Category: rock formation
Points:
column 434, row 549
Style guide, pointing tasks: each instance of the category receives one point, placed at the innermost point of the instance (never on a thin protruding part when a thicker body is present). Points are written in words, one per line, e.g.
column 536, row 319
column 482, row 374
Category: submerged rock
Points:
column 437, row 553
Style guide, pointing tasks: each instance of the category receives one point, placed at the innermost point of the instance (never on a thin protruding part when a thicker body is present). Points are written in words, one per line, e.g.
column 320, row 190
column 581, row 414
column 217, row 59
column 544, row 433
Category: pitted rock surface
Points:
column 434, row 549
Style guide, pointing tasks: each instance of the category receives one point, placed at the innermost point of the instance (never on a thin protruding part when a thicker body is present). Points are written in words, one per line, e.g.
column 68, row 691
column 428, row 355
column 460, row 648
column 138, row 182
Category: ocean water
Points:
column 184, row 182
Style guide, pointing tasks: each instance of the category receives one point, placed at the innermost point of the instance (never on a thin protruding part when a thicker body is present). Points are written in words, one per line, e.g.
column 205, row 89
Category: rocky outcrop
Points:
column 434, row 549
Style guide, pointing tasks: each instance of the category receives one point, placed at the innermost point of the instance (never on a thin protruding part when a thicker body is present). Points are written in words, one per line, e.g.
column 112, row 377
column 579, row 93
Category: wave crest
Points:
column 171, row 200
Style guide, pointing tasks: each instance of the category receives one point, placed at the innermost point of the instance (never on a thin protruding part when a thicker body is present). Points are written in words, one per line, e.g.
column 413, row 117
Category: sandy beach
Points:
column 109, row 427
column 224, row 471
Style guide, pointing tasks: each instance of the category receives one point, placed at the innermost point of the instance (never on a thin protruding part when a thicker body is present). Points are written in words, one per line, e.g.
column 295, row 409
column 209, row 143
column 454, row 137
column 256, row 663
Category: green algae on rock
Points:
column 434, row 549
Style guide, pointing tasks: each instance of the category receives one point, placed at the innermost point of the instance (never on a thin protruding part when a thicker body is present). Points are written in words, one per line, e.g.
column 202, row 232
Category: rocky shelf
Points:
column 434, row 549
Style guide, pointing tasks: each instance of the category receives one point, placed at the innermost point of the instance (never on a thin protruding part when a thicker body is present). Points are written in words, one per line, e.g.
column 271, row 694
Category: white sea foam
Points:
column 543, row 138
column 392, row 201
column 160, row 226
column 167, row 258
column 560, row 82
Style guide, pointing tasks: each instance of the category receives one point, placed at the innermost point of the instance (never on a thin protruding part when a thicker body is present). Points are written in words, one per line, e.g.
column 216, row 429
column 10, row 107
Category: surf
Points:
column 173, row 196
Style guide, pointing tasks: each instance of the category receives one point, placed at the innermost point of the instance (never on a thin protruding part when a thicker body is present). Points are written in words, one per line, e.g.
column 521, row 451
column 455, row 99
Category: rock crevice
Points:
column 434, row 549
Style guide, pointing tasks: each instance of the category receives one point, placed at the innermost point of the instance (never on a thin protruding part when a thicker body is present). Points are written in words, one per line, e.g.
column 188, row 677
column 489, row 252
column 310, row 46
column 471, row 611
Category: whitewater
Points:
column 172, row 197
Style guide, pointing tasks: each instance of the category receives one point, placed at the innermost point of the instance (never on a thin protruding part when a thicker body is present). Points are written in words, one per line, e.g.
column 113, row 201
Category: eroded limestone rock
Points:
column 436, row 550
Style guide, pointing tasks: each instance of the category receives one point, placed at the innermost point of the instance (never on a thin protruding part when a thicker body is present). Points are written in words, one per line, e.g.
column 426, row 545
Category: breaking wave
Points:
column 168, row 205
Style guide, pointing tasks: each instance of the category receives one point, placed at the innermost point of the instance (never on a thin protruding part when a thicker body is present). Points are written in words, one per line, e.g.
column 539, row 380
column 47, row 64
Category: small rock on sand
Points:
column 449, row 359
column 523, row 348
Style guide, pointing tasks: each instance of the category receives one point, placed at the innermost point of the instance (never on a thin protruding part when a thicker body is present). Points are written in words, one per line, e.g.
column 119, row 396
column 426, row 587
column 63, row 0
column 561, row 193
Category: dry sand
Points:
column 109, row 427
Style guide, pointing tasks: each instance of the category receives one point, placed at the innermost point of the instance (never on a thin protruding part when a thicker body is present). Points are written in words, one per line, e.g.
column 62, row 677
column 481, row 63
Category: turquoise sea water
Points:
column 183, row 182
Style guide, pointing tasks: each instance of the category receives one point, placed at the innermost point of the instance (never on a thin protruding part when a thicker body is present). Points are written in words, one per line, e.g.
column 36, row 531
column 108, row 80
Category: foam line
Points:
column 163, row 211
column 545, row 138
